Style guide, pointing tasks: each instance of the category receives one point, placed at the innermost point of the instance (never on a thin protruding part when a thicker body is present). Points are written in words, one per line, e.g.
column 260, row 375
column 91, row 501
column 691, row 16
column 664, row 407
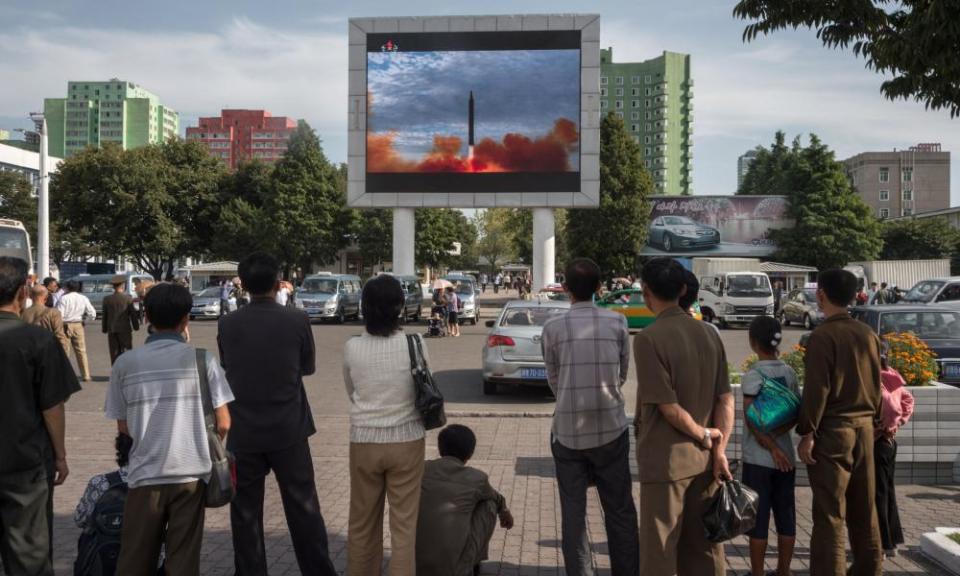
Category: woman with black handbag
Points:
column 386, row 434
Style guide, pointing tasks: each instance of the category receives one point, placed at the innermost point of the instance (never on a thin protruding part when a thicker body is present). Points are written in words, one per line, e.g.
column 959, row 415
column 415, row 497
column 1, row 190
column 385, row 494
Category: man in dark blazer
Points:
column 119, row 319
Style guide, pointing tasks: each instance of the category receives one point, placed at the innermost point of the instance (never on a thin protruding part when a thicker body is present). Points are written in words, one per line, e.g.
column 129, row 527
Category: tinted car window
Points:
column 923, row 291
column 319, row 285
column 530, row 316
column 923, row 324
column 950, row 293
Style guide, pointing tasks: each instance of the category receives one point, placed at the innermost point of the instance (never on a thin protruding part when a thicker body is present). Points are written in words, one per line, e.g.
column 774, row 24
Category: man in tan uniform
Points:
column 119, row 319
column 684, row 417
column 42, row 315
column 841, row 401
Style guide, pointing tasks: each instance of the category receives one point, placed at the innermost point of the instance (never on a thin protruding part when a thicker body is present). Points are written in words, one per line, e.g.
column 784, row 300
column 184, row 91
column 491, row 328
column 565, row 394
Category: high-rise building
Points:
column 94, row 113
column 743, row 165
column 655, row 100
column 902, row 182
column 238, row 135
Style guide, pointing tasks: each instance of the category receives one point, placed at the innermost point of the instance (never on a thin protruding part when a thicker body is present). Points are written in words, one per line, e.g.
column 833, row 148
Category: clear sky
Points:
column 290, row 57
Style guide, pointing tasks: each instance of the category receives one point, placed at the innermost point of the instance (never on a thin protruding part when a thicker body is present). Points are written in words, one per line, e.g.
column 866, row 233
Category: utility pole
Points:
column 43, row 201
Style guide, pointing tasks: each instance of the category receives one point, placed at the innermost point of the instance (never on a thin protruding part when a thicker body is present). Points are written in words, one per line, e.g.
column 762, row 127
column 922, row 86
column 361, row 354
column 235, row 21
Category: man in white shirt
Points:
column 283, row 294
column 75, row 309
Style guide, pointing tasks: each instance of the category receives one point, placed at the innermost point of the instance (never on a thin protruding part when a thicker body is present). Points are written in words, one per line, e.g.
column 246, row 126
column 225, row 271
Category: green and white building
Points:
column 94, row 113
column 655, row 100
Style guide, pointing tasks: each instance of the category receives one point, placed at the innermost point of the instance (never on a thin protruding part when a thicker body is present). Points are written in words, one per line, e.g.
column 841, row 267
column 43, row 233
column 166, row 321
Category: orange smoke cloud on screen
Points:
column 515, row 153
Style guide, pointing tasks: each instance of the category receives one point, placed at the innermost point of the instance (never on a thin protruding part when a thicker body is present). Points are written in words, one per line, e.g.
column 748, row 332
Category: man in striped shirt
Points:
column 587, row 354
column 155, row 397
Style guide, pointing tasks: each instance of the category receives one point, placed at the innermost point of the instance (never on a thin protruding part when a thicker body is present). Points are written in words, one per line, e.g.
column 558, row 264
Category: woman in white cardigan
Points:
column 386, row 436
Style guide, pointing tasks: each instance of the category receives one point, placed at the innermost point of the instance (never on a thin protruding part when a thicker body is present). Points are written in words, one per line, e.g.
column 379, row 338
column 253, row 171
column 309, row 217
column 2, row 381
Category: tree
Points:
column 241, row 227
column 17, row 201
column 770, row 172
column 496, row 236
column 520, row 221
column 833, row 226
column 918, row 239
column 912, row 42
column 373, row 231
column 613, row 234
column 437, row 229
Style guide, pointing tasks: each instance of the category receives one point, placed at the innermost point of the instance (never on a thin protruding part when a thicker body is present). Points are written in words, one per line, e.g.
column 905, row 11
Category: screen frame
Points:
column 476, row 190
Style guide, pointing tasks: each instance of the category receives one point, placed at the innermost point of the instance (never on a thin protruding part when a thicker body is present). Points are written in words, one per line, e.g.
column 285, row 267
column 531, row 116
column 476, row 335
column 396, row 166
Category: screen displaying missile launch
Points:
column 473, row 112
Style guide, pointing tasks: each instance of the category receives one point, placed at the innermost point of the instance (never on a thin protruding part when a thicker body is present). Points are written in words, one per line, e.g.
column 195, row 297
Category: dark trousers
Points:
column 119, row 342
column 843, row 483
column 24, row 527
column 164, row 514
column 609, row 467
column 293, row 468
column 888, row 515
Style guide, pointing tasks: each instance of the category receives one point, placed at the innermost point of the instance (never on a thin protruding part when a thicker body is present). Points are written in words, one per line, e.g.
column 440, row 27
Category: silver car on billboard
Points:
column 513, row 351
column 679, row 232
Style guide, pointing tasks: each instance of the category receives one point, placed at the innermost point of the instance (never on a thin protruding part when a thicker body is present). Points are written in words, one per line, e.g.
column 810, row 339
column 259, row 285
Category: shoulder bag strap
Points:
column 411, row 348
column 114, row 479
column 204, row 385
column 421, row 359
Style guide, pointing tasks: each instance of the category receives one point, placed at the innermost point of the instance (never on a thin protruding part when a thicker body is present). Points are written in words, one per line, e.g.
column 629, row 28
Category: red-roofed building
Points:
column 239, row 135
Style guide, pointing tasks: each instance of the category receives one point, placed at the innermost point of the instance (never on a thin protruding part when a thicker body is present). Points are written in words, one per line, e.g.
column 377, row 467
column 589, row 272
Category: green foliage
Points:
column 17, row 201
column 912, row 43
column 613, row 234
column 833, row 226
column 373, row 231
column 918, row 239
column 241, row 226
column 437, row 229
column 520, row 221
column 496, row 236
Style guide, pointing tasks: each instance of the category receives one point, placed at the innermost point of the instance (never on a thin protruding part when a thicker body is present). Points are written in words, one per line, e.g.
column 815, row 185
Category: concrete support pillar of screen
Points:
column 404, row 233
column 544, row 250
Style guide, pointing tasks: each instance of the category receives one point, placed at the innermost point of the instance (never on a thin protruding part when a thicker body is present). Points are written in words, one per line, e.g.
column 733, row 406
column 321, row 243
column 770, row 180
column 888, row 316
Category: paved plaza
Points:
column 512, row 429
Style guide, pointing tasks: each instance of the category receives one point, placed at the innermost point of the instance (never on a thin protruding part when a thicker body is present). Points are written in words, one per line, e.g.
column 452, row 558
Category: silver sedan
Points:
column 512, row 353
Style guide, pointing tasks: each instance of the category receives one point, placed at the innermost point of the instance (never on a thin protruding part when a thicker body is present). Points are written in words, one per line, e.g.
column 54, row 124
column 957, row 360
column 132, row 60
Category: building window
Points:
column 635, row 80
column 907, row 211
column 647, row 140
column 648, row 151
column 603, row 91
column 619, row 104
column 884, row 213
column 648, row 79
column 884, row 174
column 634, row 115
column 603, row 80
column 635, row 104
column 884, row 195
column 619, row 91
column 604, row 104
column 648, row 115
column 908, row 195
column 620, row 80
column 634, row 91
column 647, row 103
column 619, row 114
column 649, row 127
column 634, row 127
column 908, row 174
column 647, row 91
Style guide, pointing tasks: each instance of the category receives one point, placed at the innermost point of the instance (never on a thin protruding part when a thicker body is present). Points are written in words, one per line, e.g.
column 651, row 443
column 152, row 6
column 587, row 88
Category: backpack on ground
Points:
column 99, row 547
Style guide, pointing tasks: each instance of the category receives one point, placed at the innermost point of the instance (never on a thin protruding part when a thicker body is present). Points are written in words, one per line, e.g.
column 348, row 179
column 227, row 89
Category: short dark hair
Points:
column 665, row 277
column 839, row 286
column 123, row 444
column 582, row 277
column 50, row 280
column 259, row 273
column 458, row 441
column 766, row 333
column 72, row 286
column 693, row 290
column 13, row 277
column 167, row 304
column 882, row 284
column 382, row 303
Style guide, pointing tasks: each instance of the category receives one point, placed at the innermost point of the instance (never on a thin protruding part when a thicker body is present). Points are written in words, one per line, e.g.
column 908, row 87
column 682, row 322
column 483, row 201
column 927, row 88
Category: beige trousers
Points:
column 380, row 472
column 78, row 342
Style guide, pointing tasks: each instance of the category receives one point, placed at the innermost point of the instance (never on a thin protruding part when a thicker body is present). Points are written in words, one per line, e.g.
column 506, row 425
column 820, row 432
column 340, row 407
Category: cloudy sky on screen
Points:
column 290, row 57
column 422, row 94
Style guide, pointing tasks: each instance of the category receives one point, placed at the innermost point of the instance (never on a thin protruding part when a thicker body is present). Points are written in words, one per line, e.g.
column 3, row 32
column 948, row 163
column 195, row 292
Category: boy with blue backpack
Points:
column 769, row 456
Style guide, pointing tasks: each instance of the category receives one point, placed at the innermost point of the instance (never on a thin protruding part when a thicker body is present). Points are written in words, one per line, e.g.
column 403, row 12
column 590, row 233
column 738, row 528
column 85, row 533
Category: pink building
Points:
column 237, row 136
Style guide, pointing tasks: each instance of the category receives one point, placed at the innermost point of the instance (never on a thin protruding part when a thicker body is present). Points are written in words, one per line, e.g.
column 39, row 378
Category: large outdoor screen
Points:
column 473, row 112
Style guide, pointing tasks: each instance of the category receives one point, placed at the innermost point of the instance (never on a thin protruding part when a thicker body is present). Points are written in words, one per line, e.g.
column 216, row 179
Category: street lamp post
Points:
column 43, row 204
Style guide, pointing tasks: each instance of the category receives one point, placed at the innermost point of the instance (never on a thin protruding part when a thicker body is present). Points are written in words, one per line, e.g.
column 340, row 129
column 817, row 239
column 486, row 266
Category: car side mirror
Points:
column 490, row 323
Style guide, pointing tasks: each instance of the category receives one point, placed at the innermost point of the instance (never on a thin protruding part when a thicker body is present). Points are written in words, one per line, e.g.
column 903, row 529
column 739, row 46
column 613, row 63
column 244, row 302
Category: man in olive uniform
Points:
column 841, row 401
column 684, row 417
column 44, row 316
column 119, row 319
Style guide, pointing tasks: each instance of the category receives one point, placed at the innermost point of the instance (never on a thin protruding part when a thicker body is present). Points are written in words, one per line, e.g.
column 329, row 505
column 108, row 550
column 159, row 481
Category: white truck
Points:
column 903, row 274
column 733, row 290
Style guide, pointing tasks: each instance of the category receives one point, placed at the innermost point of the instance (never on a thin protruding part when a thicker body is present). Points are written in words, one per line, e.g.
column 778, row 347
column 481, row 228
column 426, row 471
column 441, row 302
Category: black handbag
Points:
column 732, row 512
column 428, row 399
column 222, row 486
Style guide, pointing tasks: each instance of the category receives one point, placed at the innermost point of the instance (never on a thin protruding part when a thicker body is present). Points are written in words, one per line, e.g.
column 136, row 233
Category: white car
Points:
column 513, row 351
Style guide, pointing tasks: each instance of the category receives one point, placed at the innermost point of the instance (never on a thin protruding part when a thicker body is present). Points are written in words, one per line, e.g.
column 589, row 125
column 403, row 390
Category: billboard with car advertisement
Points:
column 733, row 226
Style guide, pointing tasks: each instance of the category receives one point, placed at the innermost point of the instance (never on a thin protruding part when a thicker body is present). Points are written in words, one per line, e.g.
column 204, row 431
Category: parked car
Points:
column 513, row 351
column 466, row 289
column 629, row 302
column 801, row 306
column 934, row 291
column 328, row 296
column 554, row 292
column 672, row 232
column 96, row 287
column 412, row 295
column 937, row 326
column 206, row 304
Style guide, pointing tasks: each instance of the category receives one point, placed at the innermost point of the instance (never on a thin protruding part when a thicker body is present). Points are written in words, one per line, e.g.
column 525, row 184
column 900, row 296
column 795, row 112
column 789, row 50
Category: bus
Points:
column 14, row 241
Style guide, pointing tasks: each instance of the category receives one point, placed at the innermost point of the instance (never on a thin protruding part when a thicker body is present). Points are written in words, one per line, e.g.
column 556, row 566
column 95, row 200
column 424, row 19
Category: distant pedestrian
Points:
column 872, row 292
column 882, row 296
column 119, row 319
column 483, row 282
column 56, row 292
column 497, row 283
column 684, row 417
column 226, row 290
column 459, row 509
column 266, row 350
column 40, row 314
column 841, row 399
column 777, row 297
column 896, row 410
column 155, row 397
column 386, row 435
column 587, row 354
column 76, row 309
column 283, row 293
column 453, row 311
column 36, row 381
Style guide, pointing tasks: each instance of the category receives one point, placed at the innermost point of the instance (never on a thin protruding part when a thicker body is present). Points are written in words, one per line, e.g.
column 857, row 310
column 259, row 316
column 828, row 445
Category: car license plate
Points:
column 314, row 310
column 533, row 373
column 951, row 370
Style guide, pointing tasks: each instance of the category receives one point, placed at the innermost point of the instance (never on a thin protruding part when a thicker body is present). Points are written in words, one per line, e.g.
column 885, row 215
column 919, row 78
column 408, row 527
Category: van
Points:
column 326, row 296
column 935, row 291
column 412, row 296
column 96, row 287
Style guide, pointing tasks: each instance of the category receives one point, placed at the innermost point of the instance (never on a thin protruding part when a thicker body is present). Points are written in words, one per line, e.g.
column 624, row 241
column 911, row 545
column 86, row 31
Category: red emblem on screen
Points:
column 390, row 46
